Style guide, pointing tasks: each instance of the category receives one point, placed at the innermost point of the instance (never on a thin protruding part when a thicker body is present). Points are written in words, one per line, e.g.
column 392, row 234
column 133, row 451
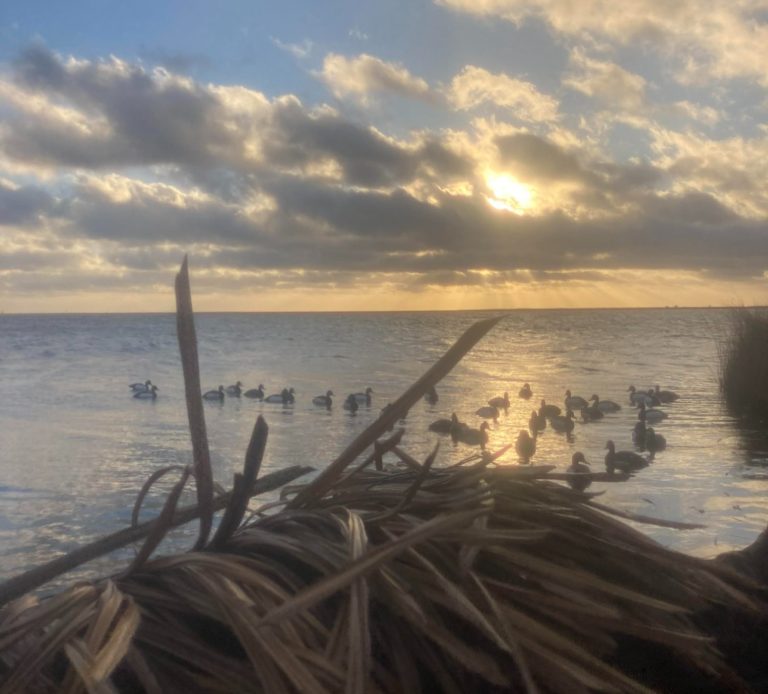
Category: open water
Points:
column 75, row 447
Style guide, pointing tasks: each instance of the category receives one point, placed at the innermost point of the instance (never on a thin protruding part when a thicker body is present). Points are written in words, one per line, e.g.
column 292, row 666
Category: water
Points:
column 76, row 447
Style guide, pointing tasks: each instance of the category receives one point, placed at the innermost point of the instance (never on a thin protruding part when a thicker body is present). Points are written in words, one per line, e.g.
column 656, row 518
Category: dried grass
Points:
column 744, row 364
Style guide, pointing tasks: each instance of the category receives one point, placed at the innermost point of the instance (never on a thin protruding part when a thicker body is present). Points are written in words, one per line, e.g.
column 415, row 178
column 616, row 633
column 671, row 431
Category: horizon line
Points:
column 383, row 311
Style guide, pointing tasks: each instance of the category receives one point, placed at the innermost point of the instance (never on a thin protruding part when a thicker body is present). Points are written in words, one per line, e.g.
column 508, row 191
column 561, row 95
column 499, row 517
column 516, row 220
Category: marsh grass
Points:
column 743, row 356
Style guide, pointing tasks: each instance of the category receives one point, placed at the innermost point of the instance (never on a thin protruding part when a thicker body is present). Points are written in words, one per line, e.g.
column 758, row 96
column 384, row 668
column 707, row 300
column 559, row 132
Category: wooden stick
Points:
column 38, row 576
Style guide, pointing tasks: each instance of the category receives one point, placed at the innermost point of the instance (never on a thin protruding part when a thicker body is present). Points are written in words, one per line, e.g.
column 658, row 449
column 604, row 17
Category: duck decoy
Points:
column 285, row 397
column 217, row 394
column 235, row 390
column 579, row 466
column 563, row 423
column 351, row 403
column 474, row 437
column 626, row 461
column 591, row 414
column 255, row 393
column 446, row 426
column 525, row 392
column 324, row 400
column 654, row 442
column 549, row 410
column 431, row 395
column 525, row 445
column 500, row 402
column 364, row 398
column 604, row 405
column 665, row 396
column 574, row 402
column 537, row 422
column 488, row 412
column 148, row 394
column 138, row 387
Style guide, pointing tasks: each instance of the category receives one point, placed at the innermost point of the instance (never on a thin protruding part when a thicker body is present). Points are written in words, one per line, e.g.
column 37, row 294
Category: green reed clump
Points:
column 744, row 364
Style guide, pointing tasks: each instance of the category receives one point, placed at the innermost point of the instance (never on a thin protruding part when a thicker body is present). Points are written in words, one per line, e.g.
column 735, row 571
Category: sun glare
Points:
column 508, row 193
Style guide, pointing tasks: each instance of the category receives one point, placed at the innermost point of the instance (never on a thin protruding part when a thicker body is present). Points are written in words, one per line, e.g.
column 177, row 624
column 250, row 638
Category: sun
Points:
column 508, row 193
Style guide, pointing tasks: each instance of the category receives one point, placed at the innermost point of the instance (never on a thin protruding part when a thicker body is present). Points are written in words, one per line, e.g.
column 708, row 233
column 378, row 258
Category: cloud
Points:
column 537, row 157
column 474, row 87
column 717, row 41
column 21, row 205
column 144, row 165
column 611, row 85
column 363, row 75
column 297, row 50
column 121, row 115
column 128, row 115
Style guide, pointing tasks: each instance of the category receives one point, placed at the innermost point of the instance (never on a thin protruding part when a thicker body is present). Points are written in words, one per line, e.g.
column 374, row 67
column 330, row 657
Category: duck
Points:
column 446, row 426
column 525, row 392
column 138, row 387
column 217, row 394
column 474, row 437
column 500, row 402
column 591, row 414
column 537, row 422
column 255, row 393
column 626, row 461
column 579, row 466
column 636, row 397
column 364, row 397
column 654, row 442
column 431, row 395
column 324, row 400
column 351, row 403
column 604, row 405
column 563, row 423
column 574, row 402
column 651, row 414
column 549, row 410
column 148, row 394
column 488, row 412
column 285, row 396
column 235, row 390
column 665, row 396
column 525, row 445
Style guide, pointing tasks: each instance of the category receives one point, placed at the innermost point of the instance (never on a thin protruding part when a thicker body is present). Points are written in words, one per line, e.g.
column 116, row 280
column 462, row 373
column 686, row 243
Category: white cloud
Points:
column 297, row 50
column 475, row 86
column 708, row 40
column 363, row 75
column 614, row 87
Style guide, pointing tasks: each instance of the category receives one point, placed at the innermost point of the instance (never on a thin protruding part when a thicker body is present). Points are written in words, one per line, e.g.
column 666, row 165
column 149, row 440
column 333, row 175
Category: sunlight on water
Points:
column 77, row 447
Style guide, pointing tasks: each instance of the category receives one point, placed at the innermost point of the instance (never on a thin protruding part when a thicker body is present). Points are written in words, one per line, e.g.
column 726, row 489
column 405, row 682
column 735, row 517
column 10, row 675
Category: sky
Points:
column 383, row 154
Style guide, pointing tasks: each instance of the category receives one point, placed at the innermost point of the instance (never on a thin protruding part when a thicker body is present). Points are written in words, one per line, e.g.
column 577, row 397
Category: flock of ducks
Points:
column 561, row 420
column 286, row 397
